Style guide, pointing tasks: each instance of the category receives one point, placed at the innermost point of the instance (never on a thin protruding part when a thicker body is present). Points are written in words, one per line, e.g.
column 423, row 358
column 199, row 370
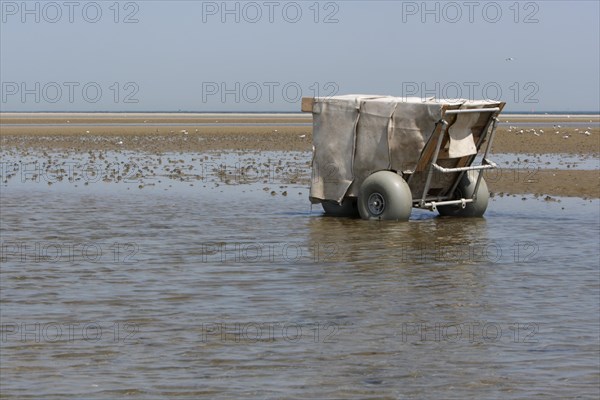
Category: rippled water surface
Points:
column 232, row 287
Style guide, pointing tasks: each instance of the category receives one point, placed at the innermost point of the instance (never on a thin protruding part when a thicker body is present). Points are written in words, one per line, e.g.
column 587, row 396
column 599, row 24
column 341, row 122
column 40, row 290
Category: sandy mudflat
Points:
column 547, row 182
column 151, row 118
column 159, row 133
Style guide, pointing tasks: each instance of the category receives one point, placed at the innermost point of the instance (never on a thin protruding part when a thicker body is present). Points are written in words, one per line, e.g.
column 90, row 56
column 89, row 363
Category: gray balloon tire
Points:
column 393, row 190
column 465, row 189
column 346, row 209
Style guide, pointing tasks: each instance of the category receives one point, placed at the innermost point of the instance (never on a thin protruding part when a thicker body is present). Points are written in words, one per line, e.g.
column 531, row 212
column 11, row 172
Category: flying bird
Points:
column 510, row 59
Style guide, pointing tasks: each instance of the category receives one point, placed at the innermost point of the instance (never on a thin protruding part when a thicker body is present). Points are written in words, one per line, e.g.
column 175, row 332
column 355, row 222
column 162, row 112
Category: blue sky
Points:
column 265, row 55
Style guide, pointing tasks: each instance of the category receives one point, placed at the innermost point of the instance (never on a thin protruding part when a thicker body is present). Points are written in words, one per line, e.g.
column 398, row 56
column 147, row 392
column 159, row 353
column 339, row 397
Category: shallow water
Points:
column 533, row 162
column 230, row 289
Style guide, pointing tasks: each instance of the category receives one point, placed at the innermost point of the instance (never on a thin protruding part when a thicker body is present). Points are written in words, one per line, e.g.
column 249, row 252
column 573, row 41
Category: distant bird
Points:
column 587, row 133
column 302, row 136
column 510, row 59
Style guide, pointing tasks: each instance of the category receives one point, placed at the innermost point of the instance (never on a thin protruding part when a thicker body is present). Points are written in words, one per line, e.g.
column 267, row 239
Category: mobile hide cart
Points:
column 379, row 156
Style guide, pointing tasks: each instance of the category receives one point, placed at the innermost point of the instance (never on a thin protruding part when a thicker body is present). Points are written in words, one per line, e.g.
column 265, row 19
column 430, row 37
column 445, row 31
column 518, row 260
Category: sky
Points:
column 265, row 55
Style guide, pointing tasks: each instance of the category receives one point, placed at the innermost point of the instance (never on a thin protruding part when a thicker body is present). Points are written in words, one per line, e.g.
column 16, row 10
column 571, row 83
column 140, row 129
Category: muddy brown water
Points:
column 230, row 288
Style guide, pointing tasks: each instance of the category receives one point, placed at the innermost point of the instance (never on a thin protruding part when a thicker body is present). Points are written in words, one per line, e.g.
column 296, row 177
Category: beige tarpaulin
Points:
column 356, row 135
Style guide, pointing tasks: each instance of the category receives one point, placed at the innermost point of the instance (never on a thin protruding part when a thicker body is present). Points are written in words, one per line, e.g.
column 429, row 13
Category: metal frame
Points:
column 432, row 202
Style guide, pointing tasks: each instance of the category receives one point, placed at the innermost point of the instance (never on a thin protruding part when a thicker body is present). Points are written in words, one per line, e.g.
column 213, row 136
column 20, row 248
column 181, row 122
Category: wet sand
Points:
column 31, row 133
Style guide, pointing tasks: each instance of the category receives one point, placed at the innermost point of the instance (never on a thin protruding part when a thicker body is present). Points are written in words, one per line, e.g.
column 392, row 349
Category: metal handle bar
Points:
column 473, row 110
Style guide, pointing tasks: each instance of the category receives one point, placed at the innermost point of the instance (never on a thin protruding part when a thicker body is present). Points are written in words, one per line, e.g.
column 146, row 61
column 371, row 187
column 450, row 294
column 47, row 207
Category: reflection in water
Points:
column 441, row 262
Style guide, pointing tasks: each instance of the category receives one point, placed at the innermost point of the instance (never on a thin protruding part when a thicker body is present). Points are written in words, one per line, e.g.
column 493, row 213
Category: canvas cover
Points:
column 356, row 135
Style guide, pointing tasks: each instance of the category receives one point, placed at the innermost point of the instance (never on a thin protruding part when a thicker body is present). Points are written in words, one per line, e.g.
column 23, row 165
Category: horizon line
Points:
column 250, row 112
